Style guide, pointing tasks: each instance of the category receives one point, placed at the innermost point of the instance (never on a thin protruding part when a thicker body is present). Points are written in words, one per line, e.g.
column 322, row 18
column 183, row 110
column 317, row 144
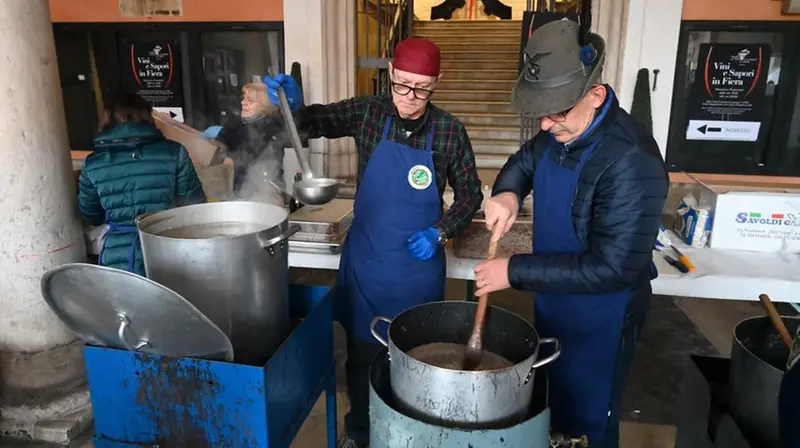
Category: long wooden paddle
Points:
column 777, row 322
column 474, row 351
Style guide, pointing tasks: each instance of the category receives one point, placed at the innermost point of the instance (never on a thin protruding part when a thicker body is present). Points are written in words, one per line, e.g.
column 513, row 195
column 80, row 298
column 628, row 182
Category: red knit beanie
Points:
column 416, row 55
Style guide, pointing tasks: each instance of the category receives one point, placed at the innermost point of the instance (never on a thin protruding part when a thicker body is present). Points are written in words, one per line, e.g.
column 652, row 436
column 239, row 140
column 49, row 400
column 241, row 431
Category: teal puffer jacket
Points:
column 133, row 170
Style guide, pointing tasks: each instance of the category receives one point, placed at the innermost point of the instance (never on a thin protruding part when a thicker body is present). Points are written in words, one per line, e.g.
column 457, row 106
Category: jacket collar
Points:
column 127, row 136
column 607, row 114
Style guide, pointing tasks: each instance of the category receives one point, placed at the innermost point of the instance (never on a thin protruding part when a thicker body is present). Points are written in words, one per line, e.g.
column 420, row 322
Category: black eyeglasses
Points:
column 419, row 93
column 560, row 116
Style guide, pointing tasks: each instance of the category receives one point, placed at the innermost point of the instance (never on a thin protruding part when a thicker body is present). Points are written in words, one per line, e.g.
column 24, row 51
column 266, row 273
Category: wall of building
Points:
column 734, row 10
column 320, row 35
column 90, row 11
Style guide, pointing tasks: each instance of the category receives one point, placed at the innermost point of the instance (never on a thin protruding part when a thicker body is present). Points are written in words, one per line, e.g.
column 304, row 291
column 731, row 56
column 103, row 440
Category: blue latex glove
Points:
column 211, row 132
column 293, row 92
column 423, row 244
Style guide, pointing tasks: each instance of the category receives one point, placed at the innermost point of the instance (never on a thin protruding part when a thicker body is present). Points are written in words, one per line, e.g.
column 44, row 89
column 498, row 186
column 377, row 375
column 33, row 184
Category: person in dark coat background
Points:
column 789, row 399
column 133, row 170
column 258, row 135
column 599, row 186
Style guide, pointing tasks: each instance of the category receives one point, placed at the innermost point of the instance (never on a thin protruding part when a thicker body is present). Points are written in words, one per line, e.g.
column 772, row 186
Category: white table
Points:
column 720, row 274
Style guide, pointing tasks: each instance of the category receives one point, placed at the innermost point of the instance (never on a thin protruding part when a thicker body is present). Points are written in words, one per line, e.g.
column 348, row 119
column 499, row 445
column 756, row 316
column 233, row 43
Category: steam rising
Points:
column 265, row 177
column 261, row 186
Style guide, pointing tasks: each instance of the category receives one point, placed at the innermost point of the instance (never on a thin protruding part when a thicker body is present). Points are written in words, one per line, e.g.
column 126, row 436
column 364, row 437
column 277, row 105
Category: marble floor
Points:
column 675, row 329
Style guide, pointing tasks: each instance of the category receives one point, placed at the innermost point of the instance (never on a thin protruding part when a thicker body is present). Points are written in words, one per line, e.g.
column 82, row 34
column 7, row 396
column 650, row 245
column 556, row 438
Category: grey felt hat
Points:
column 557, row 71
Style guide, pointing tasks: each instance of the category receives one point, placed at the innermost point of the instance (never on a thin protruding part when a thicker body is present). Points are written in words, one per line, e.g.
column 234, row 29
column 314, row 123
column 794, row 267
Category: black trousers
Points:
column 789, row 408
column 360, row 354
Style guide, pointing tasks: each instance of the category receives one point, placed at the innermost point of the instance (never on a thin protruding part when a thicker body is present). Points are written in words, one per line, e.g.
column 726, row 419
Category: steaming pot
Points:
column 231, row 261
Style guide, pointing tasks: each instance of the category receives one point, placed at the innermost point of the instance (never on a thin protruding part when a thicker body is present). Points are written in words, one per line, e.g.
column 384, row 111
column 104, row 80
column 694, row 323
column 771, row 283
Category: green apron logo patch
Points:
column 420, row 177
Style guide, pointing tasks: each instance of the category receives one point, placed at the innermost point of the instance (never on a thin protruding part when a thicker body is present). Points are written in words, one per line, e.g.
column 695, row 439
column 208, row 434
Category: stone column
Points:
column 342, row 79
column 320, row 35
column 42, row 380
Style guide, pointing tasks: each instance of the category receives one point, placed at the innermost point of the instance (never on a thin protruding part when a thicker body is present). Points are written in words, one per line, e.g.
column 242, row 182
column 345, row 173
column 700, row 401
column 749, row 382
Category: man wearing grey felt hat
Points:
column 557, row 71
column 599, row 185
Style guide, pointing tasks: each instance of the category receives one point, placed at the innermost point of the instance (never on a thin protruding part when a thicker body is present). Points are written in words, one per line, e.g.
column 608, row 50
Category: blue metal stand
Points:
column 144, row 400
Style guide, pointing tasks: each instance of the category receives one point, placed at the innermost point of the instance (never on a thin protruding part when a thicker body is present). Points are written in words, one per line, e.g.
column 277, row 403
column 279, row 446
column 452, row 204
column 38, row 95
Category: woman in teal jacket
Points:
column 133, row 170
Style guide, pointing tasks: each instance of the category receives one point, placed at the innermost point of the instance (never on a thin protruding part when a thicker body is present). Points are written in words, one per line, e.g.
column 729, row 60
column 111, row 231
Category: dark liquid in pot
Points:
column 451, row 356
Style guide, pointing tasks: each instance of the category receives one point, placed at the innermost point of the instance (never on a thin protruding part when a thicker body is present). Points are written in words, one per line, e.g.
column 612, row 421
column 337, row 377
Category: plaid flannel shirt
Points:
column 363, row 119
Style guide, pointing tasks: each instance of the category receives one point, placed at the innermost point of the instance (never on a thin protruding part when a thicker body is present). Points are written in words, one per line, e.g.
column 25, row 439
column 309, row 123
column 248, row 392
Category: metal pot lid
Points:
column 118, row 309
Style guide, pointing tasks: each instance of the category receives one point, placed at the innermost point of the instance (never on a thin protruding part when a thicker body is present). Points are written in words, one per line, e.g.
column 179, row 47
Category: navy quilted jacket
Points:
column 616, row 209
column 133, row 170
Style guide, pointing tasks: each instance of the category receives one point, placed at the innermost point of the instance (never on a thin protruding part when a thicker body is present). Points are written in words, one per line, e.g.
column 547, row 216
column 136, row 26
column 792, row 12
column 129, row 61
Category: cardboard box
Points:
column 217, row 180
column 202, row 151
column 760, row 219
column 763, row 221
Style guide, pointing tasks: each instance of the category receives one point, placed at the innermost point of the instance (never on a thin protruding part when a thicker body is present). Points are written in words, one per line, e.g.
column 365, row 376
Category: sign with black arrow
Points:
column 704, row 128
column 728, row 93
column 742, row 131
column 176, row 113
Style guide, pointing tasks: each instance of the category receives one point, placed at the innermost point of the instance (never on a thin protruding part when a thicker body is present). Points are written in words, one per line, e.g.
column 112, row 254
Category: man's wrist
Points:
column 442, row 236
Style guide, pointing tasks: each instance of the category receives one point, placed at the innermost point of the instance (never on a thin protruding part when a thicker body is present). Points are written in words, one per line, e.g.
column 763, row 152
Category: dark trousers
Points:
column 359, row 357
column 789, row 408
column 631, row 331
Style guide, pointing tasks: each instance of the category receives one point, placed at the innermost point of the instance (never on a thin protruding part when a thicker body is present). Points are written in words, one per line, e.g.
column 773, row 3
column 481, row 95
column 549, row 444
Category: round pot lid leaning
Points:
column 119, row 309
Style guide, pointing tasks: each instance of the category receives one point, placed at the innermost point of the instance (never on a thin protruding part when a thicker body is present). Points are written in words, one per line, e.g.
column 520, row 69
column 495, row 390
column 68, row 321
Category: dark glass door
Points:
column 733, row 87
column 78, row 81
column 231, row 59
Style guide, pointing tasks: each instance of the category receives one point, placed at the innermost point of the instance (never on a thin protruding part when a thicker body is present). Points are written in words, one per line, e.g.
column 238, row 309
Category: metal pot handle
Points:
column 141, row 217
column 375, row 332
column 545, row 361
column 291, row 230
column 124, row 322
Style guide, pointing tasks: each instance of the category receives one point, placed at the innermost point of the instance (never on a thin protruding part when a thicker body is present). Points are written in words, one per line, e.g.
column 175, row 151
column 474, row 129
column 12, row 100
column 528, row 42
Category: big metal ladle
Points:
column 311, row 190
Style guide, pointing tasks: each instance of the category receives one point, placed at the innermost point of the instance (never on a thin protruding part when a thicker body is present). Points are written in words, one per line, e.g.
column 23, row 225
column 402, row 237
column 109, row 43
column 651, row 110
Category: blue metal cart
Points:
column 146, row 400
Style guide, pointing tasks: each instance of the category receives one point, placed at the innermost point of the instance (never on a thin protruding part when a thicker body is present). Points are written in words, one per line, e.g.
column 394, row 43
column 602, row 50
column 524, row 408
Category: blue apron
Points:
column 588, row 326
column 117, row 229
column 377, row 274
column 789, row 408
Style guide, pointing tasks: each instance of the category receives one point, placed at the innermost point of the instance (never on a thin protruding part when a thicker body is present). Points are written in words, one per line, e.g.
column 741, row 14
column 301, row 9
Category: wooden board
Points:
column 332, row 212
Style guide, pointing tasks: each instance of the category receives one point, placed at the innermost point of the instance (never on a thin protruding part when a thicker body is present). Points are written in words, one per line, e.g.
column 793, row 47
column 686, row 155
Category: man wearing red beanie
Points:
column 393, row 258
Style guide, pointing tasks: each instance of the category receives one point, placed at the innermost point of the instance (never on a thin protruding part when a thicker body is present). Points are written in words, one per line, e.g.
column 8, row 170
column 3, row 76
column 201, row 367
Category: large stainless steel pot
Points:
column 230, row 260
column 456, row 398
column 758, row 362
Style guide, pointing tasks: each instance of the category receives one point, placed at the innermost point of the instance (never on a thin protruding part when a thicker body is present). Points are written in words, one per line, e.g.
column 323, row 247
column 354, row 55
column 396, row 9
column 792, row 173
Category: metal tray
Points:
column 315, row 247
column 332, row 218
column 473, row 242
column 319, row 237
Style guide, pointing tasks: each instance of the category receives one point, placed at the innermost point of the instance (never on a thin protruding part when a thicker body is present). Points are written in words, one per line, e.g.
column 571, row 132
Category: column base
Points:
column 61, row 421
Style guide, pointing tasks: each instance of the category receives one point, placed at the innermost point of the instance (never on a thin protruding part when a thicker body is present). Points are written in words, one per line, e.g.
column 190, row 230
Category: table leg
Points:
column 471, row 291
column 330, row 407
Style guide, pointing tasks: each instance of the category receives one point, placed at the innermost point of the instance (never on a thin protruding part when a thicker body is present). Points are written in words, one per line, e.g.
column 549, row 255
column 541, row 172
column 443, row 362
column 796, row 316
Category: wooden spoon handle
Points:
column 483, row 301
column 777, row 322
